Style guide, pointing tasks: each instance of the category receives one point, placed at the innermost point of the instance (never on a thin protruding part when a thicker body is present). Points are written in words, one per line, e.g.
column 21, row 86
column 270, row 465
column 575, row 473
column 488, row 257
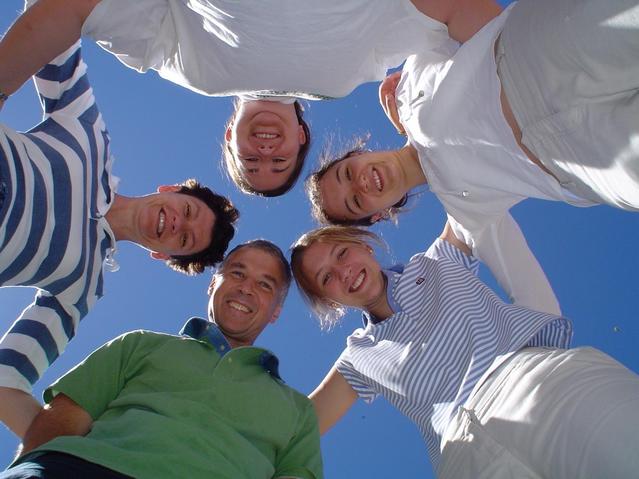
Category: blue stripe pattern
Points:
column 449, row 330
column 53, row 234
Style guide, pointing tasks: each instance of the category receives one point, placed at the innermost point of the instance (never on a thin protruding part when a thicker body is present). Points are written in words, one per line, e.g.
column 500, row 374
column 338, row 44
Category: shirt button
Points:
column 465, row 193
column 420, row 93
column 222, row 347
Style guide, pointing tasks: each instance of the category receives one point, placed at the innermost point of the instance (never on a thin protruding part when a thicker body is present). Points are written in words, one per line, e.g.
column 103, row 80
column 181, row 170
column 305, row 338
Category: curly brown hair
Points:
column 223, row 230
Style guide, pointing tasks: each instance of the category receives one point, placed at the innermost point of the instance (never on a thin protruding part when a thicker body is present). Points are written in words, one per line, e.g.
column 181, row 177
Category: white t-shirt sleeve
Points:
column 502, row 247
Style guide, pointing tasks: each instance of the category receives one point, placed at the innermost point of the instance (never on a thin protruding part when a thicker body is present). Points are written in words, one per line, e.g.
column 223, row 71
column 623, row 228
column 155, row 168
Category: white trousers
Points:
column 570, row 71
column 548, row 413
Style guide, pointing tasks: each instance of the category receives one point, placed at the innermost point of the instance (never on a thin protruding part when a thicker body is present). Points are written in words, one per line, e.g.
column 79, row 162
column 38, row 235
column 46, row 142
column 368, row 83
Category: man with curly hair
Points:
column 60, row 219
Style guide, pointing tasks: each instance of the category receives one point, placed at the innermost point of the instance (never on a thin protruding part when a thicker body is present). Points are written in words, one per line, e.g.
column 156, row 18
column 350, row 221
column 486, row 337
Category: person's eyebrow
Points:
column 350, row 210
column 271, row 279
column 330, row 255
column 339, row 180
column 237, row 264
column 275, row 170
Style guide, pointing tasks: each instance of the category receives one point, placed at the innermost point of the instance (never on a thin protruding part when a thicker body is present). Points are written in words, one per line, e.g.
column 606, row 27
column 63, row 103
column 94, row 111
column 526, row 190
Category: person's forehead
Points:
column 257, row 261
column 317, row 256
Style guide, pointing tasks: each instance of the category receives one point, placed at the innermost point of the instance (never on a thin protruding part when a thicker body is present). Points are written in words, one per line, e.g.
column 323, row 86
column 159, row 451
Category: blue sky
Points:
column 162, row 134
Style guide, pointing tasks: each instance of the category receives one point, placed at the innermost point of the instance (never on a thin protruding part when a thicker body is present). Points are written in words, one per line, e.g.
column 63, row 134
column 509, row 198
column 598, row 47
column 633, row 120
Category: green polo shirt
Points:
column 176, row 407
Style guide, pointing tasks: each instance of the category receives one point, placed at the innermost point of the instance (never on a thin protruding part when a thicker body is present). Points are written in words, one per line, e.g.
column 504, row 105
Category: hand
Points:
column 387, row 99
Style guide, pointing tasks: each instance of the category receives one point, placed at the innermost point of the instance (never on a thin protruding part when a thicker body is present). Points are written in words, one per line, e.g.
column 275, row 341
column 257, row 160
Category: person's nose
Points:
column 246, row 287
column 176, row 224
column 344, row 272
column 362, row 183
column 266, row 149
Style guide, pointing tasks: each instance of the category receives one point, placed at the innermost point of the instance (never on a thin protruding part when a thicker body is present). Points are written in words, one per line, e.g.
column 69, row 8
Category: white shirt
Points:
column 448, row 102
column 299, row 48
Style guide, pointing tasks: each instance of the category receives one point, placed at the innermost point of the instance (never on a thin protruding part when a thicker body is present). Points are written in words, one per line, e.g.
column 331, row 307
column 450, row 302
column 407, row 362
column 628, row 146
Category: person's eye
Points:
column 356, row 201
column 279, row 160
column 348, row 173
column 183, row 239
column 237, row 274
column 251, row 160
column 265, row 285
column 187, row 211
column 326, row 279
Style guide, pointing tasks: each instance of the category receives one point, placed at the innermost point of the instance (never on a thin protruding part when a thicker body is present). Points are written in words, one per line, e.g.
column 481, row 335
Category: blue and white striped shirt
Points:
column 53, row 234
column 448, row 330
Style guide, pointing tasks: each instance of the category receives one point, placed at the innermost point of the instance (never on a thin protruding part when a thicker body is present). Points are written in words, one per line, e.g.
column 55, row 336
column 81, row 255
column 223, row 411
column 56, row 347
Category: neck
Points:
column 120, row 217
column 379, row 308
column 409, row 162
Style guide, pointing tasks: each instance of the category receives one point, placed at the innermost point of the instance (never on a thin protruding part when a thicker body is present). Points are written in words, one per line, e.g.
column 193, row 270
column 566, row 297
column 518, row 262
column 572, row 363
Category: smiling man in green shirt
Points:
column 204, row 404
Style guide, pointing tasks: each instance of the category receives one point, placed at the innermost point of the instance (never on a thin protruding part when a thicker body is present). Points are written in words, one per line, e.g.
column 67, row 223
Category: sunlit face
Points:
column 362, row 185
column 173, row 224
column 345, row 273
column 265, row 138
column 245, row 295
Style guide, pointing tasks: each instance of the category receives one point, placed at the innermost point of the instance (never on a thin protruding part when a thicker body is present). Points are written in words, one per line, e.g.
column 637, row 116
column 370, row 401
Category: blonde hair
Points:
column 328, row 312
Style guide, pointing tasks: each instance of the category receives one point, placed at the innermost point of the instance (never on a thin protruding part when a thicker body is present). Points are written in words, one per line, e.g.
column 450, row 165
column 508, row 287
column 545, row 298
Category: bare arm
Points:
column 17, row 409
column 41, row 33
column 464, row 18
column 449, row 235
column 332, row 398
column 61, row 417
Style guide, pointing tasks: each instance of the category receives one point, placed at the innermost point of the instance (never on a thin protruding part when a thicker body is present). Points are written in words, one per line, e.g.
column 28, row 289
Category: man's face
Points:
column 174, row 224
column 246, row 294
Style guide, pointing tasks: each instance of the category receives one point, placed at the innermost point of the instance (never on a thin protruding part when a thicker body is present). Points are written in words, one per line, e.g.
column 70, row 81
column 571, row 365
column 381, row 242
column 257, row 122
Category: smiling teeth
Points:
column 358, row 282
column 239, row 307
column 377, row 179
column 161, row 223
column 266, row 136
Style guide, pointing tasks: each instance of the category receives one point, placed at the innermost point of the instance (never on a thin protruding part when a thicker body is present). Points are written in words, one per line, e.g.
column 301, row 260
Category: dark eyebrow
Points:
column 275, row 170
column 236, row 264
column 348, row 207
column 329, row 255
column 271, row 279
column 339, row 180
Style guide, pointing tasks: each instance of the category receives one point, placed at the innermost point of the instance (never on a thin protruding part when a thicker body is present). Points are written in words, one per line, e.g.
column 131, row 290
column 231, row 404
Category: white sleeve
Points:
column 502, row 247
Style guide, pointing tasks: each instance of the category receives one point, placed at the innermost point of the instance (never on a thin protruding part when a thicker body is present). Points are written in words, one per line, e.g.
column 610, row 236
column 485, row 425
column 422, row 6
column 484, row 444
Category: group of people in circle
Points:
column 537, row 100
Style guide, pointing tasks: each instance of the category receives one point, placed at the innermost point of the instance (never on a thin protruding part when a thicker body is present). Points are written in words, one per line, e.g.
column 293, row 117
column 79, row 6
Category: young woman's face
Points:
column 346, row 273
column 265, row 138
column 362, row 185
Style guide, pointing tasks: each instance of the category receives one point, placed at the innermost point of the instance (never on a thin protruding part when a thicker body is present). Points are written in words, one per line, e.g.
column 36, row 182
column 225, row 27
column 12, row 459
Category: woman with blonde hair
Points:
column 491, row 386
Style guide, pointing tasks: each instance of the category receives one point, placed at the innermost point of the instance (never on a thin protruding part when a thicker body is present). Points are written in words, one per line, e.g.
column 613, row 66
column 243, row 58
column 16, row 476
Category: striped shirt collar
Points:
column 392, row 276
column 208, row 332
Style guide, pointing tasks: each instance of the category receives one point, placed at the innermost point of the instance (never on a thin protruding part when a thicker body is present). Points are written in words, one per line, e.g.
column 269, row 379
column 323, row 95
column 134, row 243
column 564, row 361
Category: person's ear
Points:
column 211, row 287
column 380, row 215
column 301, row 135
column 276, row 314
column 161, row 256
column 169, row 188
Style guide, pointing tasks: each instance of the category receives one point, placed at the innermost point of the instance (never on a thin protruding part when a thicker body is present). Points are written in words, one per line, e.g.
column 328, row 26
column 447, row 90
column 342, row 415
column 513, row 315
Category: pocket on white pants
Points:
column 470, row 452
